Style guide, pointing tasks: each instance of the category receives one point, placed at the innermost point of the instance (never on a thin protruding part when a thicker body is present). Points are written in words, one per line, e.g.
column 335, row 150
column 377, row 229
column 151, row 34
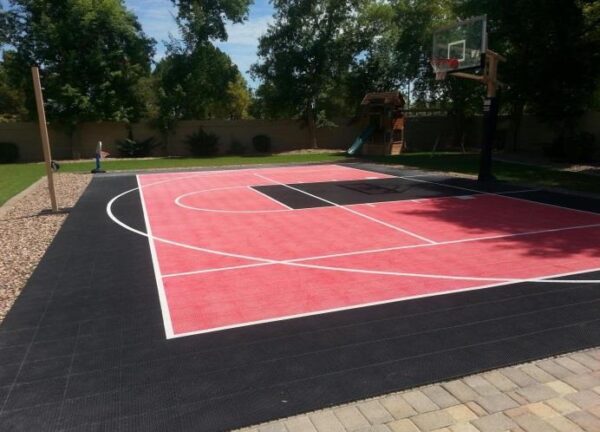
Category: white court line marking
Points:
column 164, row 305
column 370, row 304
column 372, row 219
column 394, row 248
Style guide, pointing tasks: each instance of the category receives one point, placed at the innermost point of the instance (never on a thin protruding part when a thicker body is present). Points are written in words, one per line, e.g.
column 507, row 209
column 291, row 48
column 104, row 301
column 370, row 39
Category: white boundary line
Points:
column 363, row 305
column 164, row 305
column 357, row 213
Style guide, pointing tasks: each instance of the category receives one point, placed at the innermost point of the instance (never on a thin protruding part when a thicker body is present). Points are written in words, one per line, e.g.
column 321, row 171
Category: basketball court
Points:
column 211, row 300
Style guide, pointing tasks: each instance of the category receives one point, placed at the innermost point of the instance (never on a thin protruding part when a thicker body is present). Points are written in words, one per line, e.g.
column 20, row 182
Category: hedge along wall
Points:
column 286, row 135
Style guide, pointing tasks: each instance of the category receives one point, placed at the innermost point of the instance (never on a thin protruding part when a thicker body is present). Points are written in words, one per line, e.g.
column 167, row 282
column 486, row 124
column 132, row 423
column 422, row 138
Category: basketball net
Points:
column 441, row 66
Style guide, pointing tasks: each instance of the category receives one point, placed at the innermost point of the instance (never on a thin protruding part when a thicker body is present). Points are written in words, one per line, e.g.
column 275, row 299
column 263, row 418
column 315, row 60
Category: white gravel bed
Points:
column 25, row 233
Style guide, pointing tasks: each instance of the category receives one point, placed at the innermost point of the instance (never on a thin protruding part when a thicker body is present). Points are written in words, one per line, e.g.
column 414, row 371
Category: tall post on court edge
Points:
column 490, row 115
column 39, row 99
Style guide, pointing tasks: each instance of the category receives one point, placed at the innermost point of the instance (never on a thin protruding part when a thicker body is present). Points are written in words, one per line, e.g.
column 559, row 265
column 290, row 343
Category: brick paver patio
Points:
column 557, row 394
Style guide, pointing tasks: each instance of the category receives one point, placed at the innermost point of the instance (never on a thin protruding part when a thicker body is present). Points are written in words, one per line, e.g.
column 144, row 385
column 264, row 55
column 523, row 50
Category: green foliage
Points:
column 93, row 54
column 202, row 143
column 202, row 21
column 12, row 98
column 130, row 147
column 262, row 143
column 302, row 57
column 9, row 152
column 201, row 84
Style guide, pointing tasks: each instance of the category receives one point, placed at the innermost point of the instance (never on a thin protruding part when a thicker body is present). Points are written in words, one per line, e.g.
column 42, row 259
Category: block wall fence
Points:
column 286, row 135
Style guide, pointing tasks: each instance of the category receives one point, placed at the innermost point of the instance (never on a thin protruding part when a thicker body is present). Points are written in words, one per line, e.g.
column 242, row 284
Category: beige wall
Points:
column 421, row 134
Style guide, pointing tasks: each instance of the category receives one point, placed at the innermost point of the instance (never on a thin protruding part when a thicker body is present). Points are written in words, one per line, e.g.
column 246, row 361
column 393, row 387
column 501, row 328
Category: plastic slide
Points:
column 360, row 140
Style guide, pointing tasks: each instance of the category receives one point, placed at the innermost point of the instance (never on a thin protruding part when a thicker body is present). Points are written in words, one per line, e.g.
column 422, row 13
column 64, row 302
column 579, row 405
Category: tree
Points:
column 93, row 53
column 204, row 21
column 302, row 58
column 201, row 84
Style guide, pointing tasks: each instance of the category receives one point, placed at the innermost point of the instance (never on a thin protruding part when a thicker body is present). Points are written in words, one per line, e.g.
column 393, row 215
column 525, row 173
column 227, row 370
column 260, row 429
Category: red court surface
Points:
column 226, row 255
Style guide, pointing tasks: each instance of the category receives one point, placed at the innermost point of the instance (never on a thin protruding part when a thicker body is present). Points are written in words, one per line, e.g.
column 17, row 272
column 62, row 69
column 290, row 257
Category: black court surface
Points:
column 85, row 347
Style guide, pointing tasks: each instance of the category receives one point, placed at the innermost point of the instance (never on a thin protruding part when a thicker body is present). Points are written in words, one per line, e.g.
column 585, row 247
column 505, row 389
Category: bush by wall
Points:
column 202, row 143
column 9, row 152
column 130, row 147
column 262, row 143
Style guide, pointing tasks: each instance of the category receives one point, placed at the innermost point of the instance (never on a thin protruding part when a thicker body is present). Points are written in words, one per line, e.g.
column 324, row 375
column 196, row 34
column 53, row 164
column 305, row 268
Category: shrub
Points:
column 202, row 143
column 130, row 147
column 262, row 143
column 237, row 148
column 9, row 152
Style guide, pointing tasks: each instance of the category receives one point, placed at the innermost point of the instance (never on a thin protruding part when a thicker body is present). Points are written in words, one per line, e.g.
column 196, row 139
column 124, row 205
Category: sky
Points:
column 157, row 19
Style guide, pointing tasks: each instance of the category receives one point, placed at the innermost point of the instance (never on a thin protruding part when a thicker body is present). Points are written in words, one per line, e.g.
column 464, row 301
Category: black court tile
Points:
column 86, row 384
column 16, row 337
column 44, row 369
column 100, row 362
column 98, row 408
column 307, row 195
column 39, row 418
column 8, row 373
column 36, row 393
column 13, row 354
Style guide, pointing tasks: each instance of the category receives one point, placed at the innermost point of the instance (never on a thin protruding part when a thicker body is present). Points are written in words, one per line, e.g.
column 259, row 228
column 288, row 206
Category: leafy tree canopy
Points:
column 201, row 84
column 302, row 57
column 201, row 21
column 92, row 54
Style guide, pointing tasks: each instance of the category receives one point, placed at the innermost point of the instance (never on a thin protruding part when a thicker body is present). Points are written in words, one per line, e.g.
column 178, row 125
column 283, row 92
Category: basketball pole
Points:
column 490, row 115
column 490, row 111
column 39, row 99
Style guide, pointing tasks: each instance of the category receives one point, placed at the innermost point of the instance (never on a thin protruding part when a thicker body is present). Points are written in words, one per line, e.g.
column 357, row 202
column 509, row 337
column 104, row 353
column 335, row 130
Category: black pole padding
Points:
column 490, row 120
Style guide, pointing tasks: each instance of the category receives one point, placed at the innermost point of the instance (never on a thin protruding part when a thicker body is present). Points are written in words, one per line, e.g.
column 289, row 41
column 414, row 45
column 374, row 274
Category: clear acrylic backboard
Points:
column 459, row 46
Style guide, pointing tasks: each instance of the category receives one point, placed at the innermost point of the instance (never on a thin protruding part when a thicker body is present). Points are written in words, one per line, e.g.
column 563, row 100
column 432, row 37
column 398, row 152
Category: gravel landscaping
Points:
column 26, row 231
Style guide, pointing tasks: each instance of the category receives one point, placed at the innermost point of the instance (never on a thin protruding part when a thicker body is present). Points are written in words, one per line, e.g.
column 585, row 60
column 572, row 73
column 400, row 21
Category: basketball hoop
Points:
column 441, row 75
column 441, row 67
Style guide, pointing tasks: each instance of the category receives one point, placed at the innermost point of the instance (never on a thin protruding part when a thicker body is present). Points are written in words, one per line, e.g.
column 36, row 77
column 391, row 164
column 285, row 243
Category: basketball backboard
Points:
column 460, row 46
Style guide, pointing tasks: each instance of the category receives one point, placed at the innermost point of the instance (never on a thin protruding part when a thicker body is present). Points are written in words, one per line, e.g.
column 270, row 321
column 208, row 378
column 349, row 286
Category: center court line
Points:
column 357, row 213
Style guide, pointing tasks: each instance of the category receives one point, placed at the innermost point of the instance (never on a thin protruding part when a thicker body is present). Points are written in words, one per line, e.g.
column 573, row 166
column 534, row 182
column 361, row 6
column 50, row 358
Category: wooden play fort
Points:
column 382, row 119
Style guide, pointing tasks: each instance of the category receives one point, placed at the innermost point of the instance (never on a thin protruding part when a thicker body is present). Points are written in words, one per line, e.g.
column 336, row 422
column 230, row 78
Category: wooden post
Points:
column 39, row 99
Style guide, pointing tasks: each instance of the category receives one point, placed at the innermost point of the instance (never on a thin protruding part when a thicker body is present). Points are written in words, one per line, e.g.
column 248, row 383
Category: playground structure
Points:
column 383, row 119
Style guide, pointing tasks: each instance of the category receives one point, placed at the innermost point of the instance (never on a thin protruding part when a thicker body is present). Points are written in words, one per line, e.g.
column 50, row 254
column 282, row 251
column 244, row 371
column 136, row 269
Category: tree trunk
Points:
column 312, row 127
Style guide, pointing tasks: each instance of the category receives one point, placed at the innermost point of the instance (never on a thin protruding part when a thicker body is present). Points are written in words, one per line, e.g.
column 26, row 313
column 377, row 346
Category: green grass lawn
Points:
column 16, row 177
column 511, row 172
